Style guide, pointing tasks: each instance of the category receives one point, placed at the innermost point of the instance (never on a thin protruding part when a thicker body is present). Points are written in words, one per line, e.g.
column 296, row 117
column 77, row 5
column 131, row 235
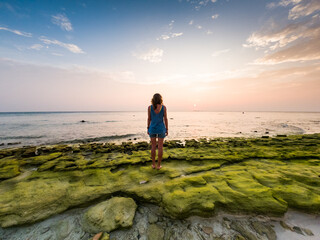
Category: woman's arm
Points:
column 149, row 120
column 165, row 119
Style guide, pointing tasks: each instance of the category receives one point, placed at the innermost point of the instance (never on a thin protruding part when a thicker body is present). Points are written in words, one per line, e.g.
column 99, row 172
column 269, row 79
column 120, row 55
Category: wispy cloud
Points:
column 299, row 8
column 218, row 53
column 62, row 21
column 154, row 55
column 304, row 8
column 304, row 51
column 20, row 33
column 36, row 47
column 191, row 22
column 71, row 47
column 170, row 35
column 280, row 38
column 297, row 41
column 215, row 16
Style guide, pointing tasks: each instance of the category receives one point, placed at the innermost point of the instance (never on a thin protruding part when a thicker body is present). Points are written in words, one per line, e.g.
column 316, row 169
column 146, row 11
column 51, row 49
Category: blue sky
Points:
column 210, row 55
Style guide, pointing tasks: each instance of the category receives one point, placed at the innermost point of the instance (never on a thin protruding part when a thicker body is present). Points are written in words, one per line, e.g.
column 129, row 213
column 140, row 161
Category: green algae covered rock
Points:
column 9, row 168
column 254, row 175
column 110, row 215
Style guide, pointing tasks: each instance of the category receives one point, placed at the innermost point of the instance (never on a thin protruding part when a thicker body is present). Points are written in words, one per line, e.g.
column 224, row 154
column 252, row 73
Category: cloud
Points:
column 20, row 33
column 304, row 51
column 62, row 21
column 170, row 35
column 305, row 8
column 300, row 8
column 217, row 53
column 191, row 22
column 71, row 47
column 280, row 38
column 215, row 16
column 154, row 55
column 36, row 47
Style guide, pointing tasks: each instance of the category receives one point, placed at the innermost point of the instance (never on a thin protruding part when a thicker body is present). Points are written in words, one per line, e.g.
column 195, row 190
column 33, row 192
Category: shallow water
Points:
column 19, row 129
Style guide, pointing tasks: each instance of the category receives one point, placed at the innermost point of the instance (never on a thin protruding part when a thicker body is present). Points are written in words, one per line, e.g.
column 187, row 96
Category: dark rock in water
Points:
column 265, row 137
column 129, row 139
column 135, row 139
column 281, row 135
column 297, row 230
column 82, row 121
column 14, row 143
column 266, row 132
column 1, row 144
column 255, row 131
column 171, row 118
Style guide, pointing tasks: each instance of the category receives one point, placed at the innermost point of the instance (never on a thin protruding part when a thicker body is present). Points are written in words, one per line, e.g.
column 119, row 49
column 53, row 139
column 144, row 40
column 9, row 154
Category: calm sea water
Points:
column 21, row 129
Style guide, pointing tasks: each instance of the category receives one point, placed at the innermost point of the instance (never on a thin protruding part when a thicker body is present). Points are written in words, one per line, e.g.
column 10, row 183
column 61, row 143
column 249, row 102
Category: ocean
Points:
column 42, row 128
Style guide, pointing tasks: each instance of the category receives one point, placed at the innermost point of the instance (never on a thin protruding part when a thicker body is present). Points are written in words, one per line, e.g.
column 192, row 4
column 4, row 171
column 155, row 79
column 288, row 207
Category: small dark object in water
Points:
column 266, row 132
column 129, row 139
column 240, row 132
column 1, row 144
column 82, row 121
column 171, row 118
column 13, row 143
column 242, row 112
column 281, row 135
column 255, row 131
column 265, row 137
column 135, row 139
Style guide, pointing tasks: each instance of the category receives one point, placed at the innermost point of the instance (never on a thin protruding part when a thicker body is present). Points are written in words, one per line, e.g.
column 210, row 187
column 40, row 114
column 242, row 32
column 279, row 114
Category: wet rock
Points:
column 62, row 229
column 264, row 229
column 152, row 218
column 155, row 232
column 82, row 121
column 242, row 227
column 109, row 215
column 207, row 230
column 297, row 230
column 307, row 231
column 286, row 226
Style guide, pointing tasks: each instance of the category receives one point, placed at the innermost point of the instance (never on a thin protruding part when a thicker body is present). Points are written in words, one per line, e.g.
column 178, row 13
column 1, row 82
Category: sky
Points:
column 203, row 55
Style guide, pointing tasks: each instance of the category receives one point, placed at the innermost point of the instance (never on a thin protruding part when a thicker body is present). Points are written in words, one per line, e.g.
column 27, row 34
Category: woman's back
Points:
column 157, row 124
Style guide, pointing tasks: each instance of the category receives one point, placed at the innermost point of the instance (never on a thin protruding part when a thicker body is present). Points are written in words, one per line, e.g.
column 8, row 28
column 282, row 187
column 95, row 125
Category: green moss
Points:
column 259, row 176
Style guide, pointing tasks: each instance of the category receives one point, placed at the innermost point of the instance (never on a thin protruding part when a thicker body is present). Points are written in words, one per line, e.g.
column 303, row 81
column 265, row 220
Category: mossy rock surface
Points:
column 109, row 215
column 241, row 175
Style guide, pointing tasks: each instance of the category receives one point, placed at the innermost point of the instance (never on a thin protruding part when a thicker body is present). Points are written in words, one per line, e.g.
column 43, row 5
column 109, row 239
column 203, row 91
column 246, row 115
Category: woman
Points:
column 157, row 127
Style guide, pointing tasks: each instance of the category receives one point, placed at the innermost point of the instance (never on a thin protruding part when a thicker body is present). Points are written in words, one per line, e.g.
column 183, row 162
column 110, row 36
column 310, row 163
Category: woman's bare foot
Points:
column 159, row 167
column 153, row 166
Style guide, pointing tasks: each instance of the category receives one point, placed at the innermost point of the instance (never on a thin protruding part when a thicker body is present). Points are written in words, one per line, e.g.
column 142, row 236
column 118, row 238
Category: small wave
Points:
column 20, row 137
column 99, row 139
column 112, row 121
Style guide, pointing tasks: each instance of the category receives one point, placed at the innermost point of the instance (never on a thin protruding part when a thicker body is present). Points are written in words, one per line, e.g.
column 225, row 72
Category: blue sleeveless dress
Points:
column 157, row 125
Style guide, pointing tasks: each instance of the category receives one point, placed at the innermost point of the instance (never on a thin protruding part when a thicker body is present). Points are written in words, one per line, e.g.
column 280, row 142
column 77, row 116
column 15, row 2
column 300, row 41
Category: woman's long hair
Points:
column 156, row 99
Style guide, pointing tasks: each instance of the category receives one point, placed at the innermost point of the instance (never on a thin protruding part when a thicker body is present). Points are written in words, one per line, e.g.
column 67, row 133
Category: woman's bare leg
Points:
column 160, row 151
column 153, row 151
